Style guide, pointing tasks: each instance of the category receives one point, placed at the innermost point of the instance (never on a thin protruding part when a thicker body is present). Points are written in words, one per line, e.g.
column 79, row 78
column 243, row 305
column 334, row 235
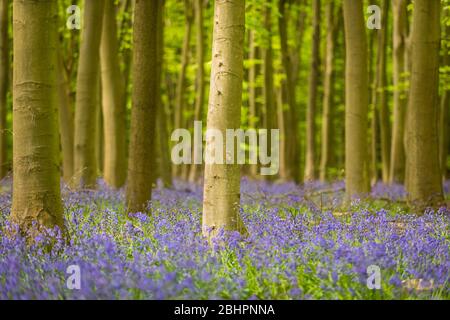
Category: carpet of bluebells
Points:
column 301, row 245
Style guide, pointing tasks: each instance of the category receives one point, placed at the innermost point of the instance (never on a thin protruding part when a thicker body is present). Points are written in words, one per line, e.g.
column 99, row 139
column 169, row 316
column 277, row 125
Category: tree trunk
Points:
column 373, row 167
column 87, row 96
column 270, row 119
column 181, row 83
column 200, row 78
column 383, row 108
column 356, row 91
column 114, row 108
column 146, row 91
column 4, row 85
column 397, row 165
column 36, row 188
column 222, row 181
column 292, row 157
column 165, row 163
column 328, row 95
column 422, row 159
column 444, row 117
column 310, row 168
column 66, row 123
column 253, row 91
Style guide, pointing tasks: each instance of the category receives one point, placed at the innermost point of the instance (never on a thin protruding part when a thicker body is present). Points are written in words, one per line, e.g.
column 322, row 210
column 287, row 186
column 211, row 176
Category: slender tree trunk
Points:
column 292, row 156
column 165, row 163
column 254, row 105
column 356, row 91
column 397, row 165
column 87, row 96
column 383, row 108
column 181, row 83
column 200, row 77
column 444, row 124
column 146, row 91
column 310, row 167
column 99, row 136
column 328, row 96
column 222, row 181
column 373, row 167
column 4, row 85
column 270, row 119
column 284, row 171
column 36, row 189
column 422, row 159
column 66, row 122
column 114, row 108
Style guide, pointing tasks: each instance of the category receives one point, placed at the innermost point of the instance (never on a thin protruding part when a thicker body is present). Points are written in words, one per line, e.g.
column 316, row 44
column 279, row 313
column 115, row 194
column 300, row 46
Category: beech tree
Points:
column 400, row 34
column 195, row 172
column 36, row 188
column 114, row 109
column 356, row 92
column 221, row 199
column 87, row 96
column 424, row 185
column 310, row 167
column 4, row 85
column 145, row 96
column 328, row 96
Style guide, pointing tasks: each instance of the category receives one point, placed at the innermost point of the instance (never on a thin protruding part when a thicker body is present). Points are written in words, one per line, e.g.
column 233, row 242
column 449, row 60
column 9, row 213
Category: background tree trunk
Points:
column 200, row 77
column 253, row 91
column 4, row 85
column 165, row 163
column 356, row 91
column 181, row 83
column 310, row 167
column 36, row 188
column 270, row 119
column 422, row 159
column 146, row 90
column 114, row 108
column 382, row 105
column 397, row 165
column 66, row 122
column 87, row 96
column 292, row 157
column 444, row 124
column 328, row 95
column 222, row 181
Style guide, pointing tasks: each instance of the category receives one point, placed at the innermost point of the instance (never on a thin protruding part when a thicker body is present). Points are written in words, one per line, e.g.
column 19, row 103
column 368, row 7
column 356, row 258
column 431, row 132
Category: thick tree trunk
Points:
column 146, row 91
column 328, row 95
column 400, row 30
column 114, row 108
column 382, row 105
column 292, row 157
column 181, row 83
column 310, row 156
column 424, row 185
column 222, row 181
column 87, row 96
column 356, row 91
column 36, row 189
column 4, row 85
column 196, row 170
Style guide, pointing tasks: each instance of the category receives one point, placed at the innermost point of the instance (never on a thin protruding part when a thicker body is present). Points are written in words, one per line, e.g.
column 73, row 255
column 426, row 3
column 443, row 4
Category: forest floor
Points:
column 302, row 245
